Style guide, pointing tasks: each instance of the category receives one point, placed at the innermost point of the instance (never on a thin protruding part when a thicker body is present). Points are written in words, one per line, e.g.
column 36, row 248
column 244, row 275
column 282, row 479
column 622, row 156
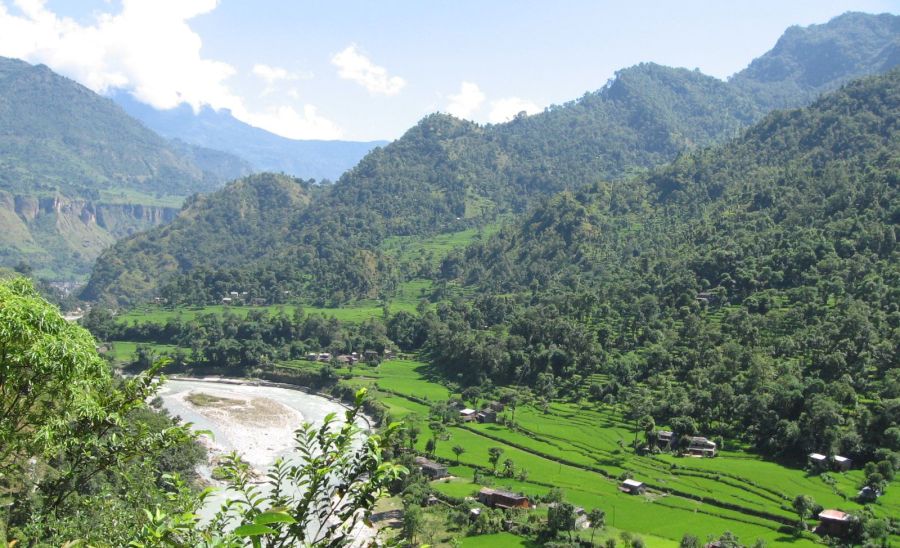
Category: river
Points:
column 256, row 421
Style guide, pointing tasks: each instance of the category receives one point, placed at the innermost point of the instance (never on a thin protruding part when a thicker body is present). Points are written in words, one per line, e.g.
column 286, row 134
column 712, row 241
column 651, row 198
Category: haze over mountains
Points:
column 263, row 150
column 447, row 174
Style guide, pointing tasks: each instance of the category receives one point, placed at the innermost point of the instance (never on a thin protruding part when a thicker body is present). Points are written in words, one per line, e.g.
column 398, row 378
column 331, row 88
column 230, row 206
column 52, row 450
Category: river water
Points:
column 256, row 421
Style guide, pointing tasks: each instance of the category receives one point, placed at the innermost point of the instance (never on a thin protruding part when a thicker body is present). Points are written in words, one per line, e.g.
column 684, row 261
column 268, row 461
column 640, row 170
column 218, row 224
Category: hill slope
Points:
column 445, row 174
column 265, row 151
column 76, row 172
column 752, row 287
column 247, row 219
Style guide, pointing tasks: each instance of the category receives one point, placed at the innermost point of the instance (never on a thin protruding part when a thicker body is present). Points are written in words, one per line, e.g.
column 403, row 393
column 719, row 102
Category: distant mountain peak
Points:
column 265, row 151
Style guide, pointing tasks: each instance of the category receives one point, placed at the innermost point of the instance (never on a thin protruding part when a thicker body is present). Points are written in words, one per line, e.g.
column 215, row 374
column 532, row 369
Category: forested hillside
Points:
column 445, row 174
column 749, row 289
column 76, row 172
column 247, row 220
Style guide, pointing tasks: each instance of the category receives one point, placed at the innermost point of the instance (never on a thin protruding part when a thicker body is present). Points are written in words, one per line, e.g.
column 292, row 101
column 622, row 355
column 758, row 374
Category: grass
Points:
column 582, row 449
column 123, row 351
column 496, row 540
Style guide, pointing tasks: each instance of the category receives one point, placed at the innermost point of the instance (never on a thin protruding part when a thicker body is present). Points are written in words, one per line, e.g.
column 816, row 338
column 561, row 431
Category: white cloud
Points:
column 504, row 110
column 467, row 101
column 271, row 74
column 148, row 48
column 286, row 121
column 353, row 65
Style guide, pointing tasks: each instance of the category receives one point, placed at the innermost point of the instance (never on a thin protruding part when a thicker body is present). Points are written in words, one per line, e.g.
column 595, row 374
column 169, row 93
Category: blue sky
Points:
column 368, row 70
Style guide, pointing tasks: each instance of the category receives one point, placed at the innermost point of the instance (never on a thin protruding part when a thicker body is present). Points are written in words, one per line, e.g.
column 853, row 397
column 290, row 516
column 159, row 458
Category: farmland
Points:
column 583, row 450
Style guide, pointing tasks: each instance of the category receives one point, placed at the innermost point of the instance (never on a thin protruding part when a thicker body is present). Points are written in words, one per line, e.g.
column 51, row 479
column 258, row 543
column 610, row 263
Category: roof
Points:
column 834, row 515
column 422, row 461
column 466, row 411
column 501, row 493
column 838, row 458
column 632, row 483
column 817, row 456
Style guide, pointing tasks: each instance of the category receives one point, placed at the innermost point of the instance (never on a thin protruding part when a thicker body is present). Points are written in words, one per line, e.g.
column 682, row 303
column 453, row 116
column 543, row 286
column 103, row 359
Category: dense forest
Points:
column 752, row 287
column 445, row 174
column 748, row 290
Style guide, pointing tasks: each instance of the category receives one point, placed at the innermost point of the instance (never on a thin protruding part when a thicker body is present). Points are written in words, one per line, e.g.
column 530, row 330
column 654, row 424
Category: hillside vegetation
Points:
column 447, row 175
column 752, row 287
column 77, row 173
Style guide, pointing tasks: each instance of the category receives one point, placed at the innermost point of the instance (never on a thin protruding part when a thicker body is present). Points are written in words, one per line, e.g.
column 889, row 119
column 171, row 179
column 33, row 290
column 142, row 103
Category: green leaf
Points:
column 253, row 530
column 274, row 517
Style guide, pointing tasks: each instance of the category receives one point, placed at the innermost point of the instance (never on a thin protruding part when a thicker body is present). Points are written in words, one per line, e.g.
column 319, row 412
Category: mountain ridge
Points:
column 263, row 150
column 446, row 174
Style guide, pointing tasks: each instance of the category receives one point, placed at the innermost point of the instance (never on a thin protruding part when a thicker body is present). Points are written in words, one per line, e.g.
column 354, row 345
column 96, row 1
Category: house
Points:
column 432, row 470
column 496, row 406
column 841, row 464
column 867, row 494
column 632, row 487
column 467, row 414
column 324, row 357
column 344, row 358
column 312, row 356
column 702, row 447
column 370, row 356
column 833, row 523
column 498, row 498
column 817, row 460
column 581, row 518
column 486, row 415
column 664, row 438
column 226, row 300
column 707, row 297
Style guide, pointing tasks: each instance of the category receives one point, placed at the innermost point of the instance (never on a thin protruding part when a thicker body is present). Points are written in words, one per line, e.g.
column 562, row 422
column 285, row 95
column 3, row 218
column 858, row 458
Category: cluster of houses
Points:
column 838, row 463
column 241, row 298
column 368, row 356
column 488, row 414
column 699, row 446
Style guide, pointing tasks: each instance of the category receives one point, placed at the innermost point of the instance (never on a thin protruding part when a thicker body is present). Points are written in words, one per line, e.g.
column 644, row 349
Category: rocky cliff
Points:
column 61, row 236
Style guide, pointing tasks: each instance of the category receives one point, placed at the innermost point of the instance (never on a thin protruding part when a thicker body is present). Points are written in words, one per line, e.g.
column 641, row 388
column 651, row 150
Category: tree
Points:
column 509, row 468
column 597, row 517
column 458, row 450
column 66, row 421
column 561, row 517
column 689, row 541
column 438, row 432
column 803, row 505
column 494, row 456
column 413, row 522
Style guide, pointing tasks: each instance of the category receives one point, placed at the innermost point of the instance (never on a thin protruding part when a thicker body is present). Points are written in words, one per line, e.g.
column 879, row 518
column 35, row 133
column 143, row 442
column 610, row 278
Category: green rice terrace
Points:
column 585, row 450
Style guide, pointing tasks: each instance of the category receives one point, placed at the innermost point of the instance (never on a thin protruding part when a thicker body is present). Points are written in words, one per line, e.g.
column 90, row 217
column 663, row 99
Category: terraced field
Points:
column 583, row 449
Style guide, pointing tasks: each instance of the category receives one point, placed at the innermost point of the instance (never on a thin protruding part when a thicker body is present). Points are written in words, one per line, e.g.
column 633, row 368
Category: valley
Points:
column 663, row 313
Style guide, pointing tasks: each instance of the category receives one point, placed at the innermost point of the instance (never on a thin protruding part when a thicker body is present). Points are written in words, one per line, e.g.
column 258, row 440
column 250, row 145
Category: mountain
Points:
column 445, row 175
column 76, row 172
column 213, row 231
column 265, row 151
column 807, row 61
column 749, row 289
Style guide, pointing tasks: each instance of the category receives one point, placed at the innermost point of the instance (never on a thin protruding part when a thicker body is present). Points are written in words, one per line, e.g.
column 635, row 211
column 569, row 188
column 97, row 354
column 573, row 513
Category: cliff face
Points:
column 61, row 236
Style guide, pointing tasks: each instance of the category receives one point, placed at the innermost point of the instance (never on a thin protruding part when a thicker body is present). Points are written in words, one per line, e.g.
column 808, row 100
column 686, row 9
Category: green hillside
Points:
column 216, row 231
column 751, row 287
column 447, row 175
column 76, row 172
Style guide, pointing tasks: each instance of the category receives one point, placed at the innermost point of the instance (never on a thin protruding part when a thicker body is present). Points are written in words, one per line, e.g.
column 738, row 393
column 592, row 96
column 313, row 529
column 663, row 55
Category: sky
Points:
column 366, row 69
